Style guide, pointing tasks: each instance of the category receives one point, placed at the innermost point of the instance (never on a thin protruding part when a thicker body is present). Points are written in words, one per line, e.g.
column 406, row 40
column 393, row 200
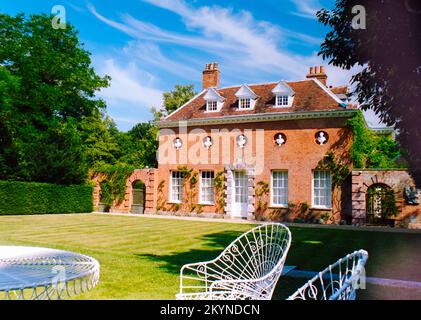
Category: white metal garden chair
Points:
column 339, row 281
column 248, row 268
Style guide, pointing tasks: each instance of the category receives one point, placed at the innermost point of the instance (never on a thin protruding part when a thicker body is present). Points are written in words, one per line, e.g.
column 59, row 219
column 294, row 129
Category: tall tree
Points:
column 138, row 146
column 97, row 133
column 9, row 85
column 57, row 87
column 384, row 37
column 174, row 99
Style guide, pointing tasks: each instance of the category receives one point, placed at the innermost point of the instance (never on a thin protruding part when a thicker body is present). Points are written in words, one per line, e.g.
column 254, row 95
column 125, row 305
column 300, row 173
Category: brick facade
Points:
column 299, row 156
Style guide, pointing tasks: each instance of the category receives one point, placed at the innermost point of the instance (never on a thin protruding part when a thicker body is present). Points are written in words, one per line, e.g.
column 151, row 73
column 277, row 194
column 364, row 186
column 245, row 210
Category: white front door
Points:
column 239, row 208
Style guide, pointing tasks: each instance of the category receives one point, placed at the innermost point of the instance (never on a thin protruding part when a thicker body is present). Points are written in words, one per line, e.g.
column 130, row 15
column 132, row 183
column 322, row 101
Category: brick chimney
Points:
column 211, row 76
column 318, row 73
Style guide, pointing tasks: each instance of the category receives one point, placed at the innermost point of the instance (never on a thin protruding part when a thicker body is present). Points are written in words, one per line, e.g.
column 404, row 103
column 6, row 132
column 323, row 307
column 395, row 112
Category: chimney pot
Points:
column 318, row 72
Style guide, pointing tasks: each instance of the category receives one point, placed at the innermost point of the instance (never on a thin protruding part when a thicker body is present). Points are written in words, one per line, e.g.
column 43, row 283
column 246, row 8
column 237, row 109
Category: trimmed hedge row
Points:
column 38, row 198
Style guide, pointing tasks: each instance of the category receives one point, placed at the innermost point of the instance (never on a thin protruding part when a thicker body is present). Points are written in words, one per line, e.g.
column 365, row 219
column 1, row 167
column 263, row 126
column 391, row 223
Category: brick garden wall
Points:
column 147, row 176
column 395, row 179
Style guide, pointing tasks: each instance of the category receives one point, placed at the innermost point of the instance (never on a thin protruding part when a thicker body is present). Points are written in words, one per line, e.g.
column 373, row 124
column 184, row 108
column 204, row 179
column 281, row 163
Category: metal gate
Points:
column 104, row 189
column 380, row 205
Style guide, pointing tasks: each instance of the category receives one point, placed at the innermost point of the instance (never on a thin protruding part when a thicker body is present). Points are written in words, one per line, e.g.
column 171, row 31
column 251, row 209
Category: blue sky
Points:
column 148, row 46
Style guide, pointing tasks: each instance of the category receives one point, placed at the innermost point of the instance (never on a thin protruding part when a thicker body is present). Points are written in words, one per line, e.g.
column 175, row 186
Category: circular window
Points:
column 280, row 139
column 241, row 140
column 178, row 143
column 321, row 137
column 207, row 142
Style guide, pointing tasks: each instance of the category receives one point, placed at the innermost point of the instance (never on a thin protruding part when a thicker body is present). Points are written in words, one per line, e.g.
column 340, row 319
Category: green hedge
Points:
column 39, row 198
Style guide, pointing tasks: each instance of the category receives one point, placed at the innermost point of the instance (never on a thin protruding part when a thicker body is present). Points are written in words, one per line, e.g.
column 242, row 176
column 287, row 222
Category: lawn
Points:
column 141, row 257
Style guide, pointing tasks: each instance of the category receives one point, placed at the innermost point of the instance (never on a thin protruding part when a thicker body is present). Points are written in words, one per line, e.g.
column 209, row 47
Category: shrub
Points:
column 42, row 198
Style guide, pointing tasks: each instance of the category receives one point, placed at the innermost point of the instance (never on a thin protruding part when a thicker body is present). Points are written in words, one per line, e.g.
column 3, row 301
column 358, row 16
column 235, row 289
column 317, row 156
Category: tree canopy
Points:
column 47, row 89
column 174, row 99
column 389, row 51
column 53, row 128
column 372, row 150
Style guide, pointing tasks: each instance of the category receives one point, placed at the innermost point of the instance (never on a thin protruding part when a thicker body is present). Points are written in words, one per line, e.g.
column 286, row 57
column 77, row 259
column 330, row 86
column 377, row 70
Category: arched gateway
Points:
column 138, row 197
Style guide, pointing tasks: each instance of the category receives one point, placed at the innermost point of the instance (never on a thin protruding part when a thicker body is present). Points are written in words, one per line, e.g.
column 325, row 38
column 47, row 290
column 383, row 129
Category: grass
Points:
column 141, row 257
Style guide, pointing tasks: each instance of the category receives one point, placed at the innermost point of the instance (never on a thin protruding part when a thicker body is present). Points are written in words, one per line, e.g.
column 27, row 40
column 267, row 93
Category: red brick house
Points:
column 270, row 136
column 259, row 151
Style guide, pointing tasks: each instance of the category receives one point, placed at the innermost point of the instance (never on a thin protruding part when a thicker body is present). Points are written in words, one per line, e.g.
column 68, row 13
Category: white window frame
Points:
column 329, row 194
column 212, row 187
column 172, row 200
column 240, row 187
column 214, row 103
column 282, row 98
column 278, row 205
column 240, row 104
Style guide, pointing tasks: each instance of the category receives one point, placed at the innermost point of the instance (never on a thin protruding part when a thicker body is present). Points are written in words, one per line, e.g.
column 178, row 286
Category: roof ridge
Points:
column 262, row 83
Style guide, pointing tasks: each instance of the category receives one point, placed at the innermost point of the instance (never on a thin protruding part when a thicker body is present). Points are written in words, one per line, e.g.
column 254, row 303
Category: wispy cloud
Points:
column 306, row 8
column 150, row 54
column 147, row 31
column 248, row 50
column 235, row 38
column 75, row 7
column 256, row 42
column 128, row 85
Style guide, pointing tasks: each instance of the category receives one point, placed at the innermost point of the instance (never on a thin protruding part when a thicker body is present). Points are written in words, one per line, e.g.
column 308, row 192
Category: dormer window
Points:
column 284, row 95
column 214, row 101
column 281, row 100
column 246, row 98
column 244, row 103
column 212, row 105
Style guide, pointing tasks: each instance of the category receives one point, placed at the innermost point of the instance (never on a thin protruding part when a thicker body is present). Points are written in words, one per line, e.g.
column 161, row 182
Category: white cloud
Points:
column 127, row 85
column 256, row 42
column 151, row 55
column 147, row 31
column 245, row 47
column 306, row 8
column 248, row 50
column 74, row 7
column 373, row 120
column 129, row 121
column 236, row 39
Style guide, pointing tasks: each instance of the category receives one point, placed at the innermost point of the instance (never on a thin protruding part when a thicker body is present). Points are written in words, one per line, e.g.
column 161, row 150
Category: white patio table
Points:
column 36, row 273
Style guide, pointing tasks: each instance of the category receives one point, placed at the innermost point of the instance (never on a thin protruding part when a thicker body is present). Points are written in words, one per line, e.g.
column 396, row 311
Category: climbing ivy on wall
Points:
column 161, row 202
column 113, row 187
column 219, row 191
column 262, row 194
column 371, row 150
column 339, row 172
column 190, row 178
column 338, row 169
